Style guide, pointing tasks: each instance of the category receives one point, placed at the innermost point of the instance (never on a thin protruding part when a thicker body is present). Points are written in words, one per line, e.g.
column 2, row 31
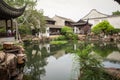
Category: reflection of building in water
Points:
column 118, row 45
column 40, row 46
column 34, row 52
column 115, row 56
column 75, row 46
column 47, row 46
column 59, row 54
column 37, row 60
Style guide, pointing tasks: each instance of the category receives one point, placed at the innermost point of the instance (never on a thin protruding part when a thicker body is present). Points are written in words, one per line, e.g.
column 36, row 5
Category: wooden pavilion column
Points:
column 11, row 27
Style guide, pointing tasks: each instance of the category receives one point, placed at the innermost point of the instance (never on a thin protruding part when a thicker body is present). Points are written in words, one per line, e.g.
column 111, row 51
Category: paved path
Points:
column 7, row 39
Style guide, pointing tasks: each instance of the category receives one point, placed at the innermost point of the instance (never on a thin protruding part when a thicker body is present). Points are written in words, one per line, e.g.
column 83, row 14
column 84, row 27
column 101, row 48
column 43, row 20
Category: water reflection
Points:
column 115, row 56
column 46, row 46
column 104, row 49
column 36, row 61
column 58, row 69
column 56, row 62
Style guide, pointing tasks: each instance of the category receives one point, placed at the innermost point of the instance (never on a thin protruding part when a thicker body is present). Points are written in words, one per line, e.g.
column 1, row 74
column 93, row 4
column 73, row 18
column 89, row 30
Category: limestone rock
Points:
column 11, row 60
column 8, row 45
column 21, row 58
column 2, row 56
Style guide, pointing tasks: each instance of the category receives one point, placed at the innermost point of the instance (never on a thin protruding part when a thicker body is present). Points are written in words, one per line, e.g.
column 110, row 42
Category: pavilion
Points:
column 8, row 13
column 82, row 27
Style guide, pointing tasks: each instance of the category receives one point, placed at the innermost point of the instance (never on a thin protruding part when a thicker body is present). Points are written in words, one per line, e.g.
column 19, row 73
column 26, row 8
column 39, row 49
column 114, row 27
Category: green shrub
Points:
column 71, row 36
column 68, row 33
column 104, row 27
column 23, row 30
column 61, row 38
column 66, row 29
column 116, row 30
column 58, row 42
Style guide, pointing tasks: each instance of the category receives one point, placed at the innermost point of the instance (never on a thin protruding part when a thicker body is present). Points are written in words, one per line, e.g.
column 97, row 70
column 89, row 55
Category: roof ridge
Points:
column 61, row 16
column 48, row 18
column 64, row 18
column 95, row 11
column 100, row 12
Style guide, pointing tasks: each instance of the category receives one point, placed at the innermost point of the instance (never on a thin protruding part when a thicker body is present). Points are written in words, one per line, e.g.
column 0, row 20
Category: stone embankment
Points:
column 12, row 61
column 115, row 72
column 114, row 37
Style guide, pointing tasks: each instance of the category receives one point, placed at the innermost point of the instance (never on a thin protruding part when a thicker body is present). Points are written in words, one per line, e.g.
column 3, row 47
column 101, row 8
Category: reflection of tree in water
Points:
column 36, row 62
column 113, row 61
column 55, row 48
column 90, row 67
column 104, row 49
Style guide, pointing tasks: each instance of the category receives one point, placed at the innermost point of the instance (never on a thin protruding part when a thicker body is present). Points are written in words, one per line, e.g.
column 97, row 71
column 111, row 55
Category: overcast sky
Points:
column 76, row 9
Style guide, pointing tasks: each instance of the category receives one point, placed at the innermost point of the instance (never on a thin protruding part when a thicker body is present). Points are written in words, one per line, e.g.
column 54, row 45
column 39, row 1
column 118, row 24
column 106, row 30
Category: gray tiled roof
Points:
column 81, row 22
column 8, row 12
column 66, row 19
column 48, row 18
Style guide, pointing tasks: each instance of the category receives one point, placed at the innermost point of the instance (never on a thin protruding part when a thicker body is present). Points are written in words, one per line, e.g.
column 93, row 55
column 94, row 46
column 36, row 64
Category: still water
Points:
column 58, row 62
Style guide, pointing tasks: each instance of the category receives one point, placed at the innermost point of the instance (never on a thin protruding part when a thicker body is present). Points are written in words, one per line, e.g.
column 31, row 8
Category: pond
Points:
column 59, row 62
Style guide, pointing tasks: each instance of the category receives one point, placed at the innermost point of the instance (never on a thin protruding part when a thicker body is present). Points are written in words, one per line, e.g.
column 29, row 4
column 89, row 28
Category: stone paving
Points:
column 7, row 39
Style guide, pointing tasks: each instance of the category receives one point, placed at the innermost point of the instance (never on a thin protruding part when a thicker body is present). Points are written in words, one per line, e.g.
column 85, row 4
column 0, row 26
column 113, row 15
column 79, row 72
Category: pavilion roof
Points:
column 81, row 22
column 117, row 1
column 48, row 18
column 7, row 12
